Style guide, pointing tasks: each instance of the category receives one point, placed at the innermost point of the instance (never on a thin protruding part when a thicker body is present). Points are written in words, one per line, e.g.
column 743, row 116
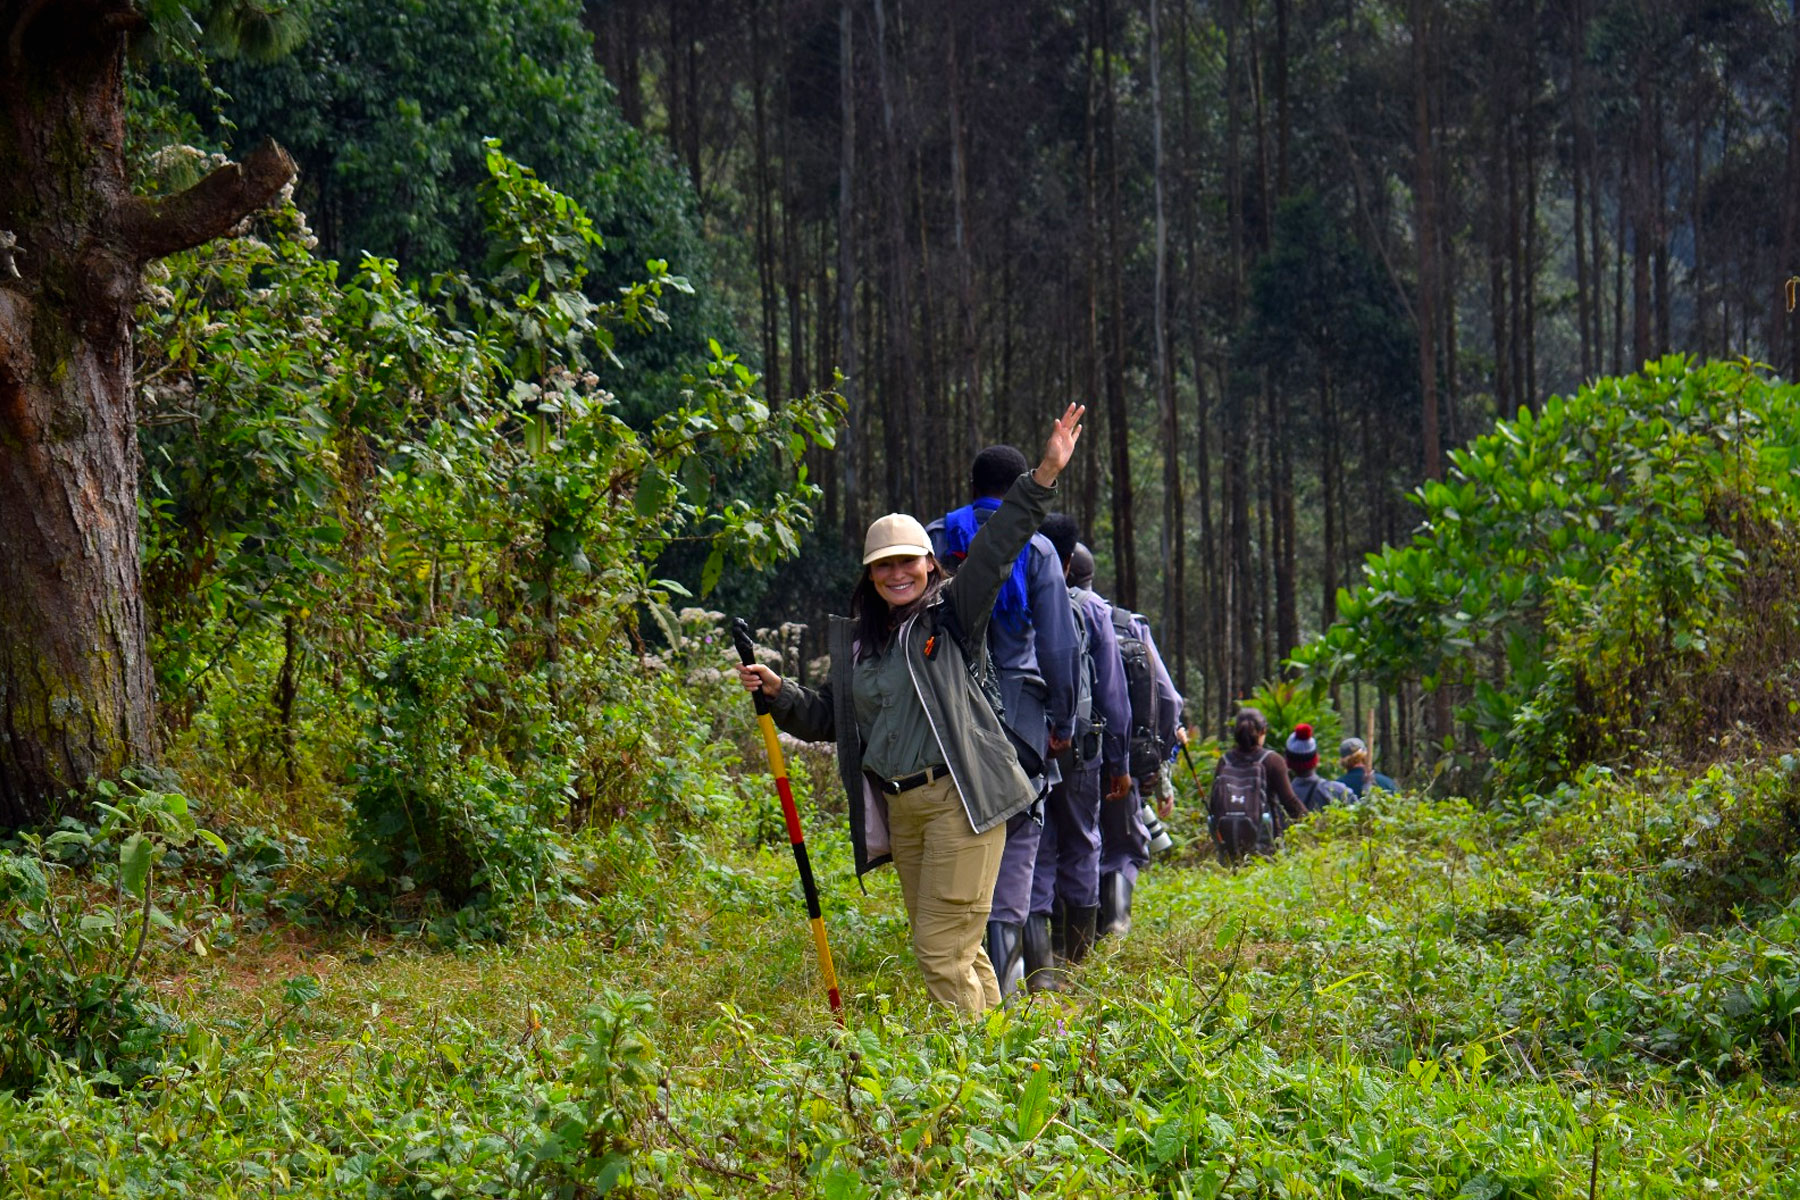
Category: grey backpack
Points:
column 1147, row 749
column 1239, row 798
column 1087, row 728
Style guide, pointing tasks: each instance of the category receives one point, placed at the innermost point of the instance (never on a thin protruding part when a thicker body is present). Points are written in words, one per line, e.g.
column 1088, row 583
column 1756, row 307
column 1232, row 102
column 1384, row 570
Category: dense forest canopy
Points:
column 1236, row 226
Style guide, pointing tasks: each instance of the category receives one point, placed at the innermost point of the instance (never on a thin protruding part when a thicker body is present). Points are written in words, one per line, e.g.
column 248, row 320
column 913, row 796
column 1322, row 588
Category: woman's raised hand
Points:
column 1061, row 445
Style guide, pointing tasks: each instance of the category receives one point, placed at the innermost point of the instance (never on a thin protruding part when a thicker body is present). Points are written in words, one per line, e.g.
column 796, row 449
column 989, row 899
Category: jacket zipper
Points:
column 949, row 758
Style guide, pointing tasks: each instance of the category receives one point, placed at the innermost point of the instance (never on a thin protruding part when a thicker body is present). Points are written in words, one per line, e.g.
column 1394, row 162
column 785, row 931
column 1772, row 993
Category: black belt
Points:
column 907, row 783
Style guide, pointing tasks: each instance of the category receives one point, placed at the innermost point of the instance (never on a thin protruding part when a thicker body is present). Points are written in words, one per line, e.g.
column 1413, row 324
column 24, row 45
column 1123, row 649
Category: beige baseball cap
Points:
column 893, row 536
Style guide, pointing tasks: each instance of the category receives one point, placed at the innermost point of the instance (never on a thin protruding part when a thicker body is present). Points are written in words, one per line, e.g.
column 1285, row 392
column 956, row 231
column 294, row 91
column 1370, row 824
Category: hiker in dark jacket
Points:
column 1032, row 638
column 1314, row 790
column 1065, row 887
column 1124, row 839
column 1358, row 775
column 931, row 776
column 1250, row 791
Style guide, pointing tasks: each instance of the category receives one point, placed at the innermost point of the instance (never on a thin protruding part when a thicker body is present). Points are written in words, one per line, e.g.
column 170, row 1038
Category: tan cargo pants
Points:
column 947, row 880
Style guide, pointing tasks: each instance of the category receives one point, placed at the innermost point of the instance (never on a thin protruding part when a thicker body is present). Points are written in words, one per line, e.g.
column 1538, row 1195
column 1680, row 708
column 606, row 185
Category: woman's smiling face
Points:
column 901, row 578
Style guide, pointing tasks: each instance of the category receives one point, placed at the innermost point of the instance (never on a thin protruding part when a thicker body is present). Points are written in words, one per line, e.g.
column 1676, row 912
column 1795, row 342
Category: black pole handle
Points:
column 746, row 649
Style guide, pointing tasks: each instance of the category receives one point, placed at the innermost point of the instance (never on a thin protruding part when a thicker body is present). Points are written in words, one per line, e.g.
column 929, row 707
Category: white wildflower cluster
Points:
column 153, row 285
column 183, row 162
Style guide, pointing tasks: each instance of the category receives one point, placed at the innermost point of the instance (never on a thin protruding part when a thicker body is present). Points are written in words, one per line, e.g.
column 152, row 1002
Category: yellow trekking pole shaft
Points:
column 740, row 633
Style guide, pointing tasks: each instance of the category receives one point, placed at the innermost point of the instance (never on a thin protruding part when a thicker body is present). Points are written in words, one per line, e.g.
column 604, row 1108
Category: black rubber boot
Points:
column 1005, row 949
column 1041, row 973
column 1080, row 934
column 1059, row 925
column 1115, row 904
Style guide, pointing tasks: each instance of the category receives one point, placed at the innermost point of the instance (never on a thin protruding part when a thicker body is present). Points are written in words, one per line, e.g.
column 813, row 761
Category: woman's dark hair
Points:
column 1247, row 726
column 876, row 621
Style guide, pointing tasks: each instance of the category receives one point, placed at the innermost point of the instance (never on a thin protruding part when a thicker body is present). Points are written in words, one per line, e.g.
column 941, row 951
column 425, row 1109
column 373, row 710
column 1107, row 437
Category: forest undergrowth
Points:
column 1590, row 992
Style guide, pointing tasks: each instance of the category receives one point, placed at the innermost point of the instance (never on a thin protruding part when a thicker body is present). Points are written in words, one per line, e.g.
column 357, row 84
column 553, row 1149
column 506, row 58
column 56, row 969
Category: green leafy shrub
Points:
column 71, row 952
column 461, row 784
column 1290, row 702
column 1616, row 573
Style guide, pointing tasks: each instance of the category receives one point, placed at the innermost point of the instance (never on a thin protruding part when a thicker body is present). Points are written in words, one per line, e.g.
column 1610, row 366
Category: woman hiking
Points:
column 1251, row 796
column 931, row 775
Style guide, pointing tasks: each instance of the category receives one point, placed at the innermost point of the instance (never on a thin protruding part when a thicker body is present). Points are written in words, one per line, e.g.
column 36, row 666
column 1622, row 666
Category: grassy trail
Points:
column 1412, row 1000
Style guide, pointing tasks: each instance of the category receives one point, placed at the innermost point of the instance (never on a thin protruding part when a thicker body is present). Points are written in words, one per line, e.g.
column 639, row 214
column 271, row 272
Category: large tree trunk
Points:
column 75, row 686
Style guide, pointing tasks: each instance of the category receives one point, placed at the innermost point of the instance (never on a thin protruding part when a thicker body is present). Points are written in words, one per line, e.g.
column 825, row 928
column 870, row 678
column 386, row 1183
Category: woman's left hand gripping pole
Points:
column 746, row 648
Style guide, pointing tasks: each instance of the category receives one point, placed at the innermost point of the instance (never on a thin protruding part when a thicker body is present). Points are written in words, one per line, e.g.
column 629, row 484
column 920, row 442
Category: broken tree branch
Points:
column 152, row 227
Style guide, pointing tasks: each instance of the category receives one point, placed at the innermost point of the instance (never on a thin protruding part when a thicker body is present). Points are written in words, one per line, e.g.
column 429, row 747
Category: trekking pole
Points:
column 1194, row 771
column 746, row 648
column 1199, row 790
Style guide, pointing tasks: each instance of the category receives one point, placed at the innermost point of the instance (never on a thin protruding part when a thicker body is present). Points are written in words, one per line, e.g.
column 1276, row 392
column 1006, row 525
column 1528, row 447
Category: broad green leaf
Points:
column 134, row 863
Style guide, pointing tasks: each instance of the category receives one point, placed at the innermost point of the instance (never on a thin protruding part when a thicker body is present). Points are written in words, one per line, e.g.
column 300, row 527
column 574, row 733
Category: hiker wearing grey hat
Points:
column 931, row 775
column 1359, row 776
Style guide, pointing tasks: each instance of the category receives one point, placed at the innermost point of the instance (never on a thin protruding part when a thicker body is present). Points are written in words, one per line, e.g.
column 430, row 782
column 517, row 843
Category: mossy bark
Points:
column 76, row 698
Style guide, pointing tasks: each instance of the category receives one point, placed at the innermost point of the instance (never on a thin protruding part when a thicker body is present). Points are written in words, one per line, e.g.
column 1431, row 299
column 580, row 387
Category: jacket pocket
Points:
column 992, row 745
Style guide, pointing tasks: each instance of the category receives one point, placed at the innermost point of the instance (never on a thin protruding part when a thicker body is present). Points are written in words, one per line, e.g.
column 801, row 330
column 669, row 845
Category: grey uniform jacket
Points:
column 982, row 764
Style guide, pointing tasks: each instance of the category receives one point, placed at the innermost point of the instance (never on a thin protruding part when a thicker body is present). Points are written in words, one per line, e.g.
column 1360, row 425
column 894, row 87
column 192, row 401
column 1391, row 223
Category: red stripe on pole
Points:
column 786, row 791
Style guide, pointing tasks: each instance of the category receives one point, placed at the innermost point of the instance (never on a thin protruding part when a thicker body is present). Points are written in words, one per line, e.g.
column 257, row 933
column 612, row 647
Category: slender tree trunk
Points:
column 1579, row 167
column 970, row 342
column 1091, row 369
column 76, row 698
column 1423, row 14
column 1494, row 208
column 1210, row 659
column 1287, row 594
column 1596, row 251
column 1659, row 199
column 1619, row 231
column 1265, row 188
column 790, row 242
column 768, row 288
column 1784, row 341
column 1270, row 553
column 1529, row 250
column 287, row 692
column 1238, row 632
column 1283, row 113
column 1426, row 235
column 1173, row 611
column 900, row 400
column 1118, row 422
column 1642, row 223
column 846, row 280
column 1332, row 467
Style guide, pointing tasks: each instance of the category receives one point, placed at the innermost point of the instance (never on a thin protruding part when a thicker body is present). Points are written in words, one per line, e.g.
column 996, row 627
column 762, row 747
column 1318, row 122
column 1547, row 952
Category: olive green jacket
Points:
column 982, row 763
